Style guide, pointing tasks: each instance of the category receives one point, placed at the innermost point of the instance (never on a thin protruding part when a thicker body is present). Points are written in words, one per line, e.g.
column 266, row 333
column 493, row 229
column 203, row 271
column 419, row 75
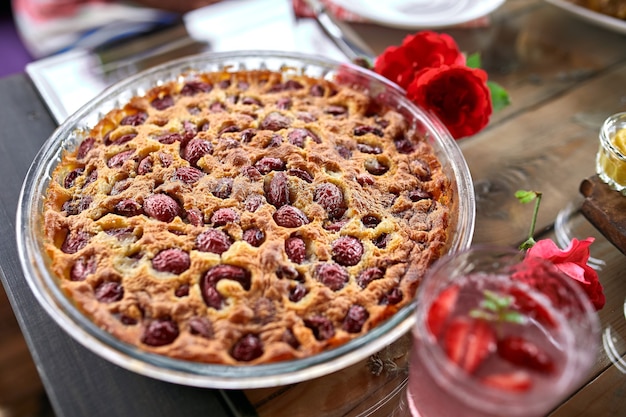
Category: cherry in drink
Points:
column 498, row 335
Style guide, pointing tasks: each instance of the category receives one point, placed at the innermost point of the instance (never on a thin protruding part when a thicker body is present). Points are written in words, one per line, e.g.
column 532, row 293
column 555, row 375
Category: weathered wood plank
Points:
column 550, row 148
column 604, row 396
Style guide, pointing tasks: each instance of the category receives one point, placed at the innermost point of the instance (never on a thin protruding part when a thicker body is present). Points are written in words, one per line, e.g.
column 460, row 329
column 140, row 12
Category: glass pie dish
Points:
column 45, row 284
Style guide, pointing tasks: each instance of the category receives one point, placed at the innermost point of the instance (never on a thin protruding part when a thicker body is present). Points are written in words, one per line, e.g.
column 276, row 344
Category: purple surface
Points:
column 14, row 55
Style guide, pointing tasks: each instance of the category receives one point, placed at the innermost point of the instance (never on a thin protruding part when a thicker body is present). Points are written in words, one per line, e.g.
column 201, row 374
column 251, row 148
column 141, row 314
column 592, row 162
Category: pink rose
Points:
column 456, row 94
column 425, row 49
column 573, row 262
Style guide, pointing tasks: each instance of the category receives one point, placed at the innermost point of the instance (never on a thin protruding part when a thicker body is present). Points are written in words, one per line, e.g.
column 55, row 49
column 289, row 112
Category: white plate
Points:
column 413, row 14
column 589, row 15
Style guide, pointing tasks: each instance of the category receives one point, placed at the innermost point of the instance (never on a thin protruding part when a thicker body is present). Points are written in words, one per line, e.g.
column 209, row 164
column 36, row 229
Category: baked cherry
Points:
column 136, row 119
column 195, row 217
column 248, row 348
column 332, row 275
column 355, row 319
column 331, row 198
column 321, row 327
column 128, row 207
column 201, row 326
column 290, row 216
column 300, row 173
column 247, row 135
column 274, row 142
column 297, row 293
column 288, row 272
column 370, row 220
column 254, row 237
column 109, row 291
column 335, row 110
column 268, row 164
column 252, row 202
column 252, row 173
column 75, row 242
column 295, row 248
column 223, row 216
column 145, row 165
column 168, row 138
column 209, row 280
column 298, row 137
column 364, row 130
column 188, row 175
column 347, row 250
column 173, row 260
column 160, row 332
column 117, row 160
column 419, row 194
column 393, row 296
column 277, row 190
column 381, row 240
column 214, row 241
column 317, row 90
column 120, row 140
column 77, row 205
column 368, row 275
column 275, row 121
column 161, row 207
column 223, row 188
column 196, row 149
column 404, row 145
column 82, row 267
column 376, row 167
column 121, row 233
column 182, row 291
column 290, row 338
column 284, row 103
column 162, row 103
column 191, row 88
column 70, row 178
column 366, row 148
column 84, row 148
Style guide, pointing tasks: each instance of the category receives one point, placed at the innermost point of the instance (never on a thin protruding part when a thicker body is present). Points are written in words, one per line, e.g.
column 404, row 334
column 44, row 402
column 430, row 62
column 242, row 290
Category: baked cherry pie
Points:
column 246, row 217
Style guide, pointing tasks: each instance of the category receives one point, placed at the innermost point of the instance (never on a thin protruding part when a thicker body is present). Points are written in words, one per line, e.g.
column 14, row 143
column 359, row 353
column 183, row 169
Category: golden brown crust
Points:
column 108, row 236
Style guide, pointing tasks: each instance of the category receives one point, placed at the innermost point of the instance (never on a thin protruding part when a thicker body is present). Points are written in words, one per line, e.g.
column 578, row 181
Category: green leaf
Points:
column 489, row 305
column 514, row 317
column 481, row 314
column 499, row 301
column 525, row 196
column 499, row 96
column 473, row 60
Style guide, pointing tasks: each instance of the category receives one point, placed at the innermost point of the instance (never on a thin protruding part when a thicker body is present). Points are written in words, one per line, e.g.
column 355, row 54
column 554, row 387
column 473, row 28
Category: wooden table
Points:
column 564, row 75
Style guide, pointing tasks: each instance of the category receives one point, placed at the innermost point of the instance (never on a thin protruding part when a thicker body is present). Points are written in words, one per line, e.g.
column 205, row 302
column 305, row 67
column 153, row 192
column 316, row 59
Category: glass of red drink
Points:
column 498, row 334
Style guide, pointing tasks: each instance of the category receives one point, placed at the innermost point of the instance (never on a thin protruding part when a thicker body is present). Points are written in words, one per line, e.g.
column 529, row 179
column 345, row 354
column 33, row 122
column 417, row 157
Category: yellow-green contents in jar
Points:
column 619, row 141
column 610, row 164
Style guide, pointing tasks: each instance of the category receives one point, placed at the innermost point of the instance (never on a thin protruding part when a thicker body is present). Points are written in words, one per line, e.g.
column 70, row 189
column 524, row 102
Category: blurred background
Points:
column 14, row 53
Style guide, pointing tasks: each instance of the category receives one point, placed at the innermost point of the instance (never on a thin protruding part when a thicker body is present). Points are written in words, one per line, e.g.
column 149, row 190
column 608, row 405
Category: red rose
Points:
column 573, row 262
column 457, row 95
column 424, row 49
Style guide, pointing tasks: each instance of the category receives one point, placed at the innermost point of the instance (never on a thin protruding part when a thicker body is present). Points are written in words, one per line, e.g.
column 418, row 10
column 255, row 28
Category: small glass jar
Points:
column 611, row 157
